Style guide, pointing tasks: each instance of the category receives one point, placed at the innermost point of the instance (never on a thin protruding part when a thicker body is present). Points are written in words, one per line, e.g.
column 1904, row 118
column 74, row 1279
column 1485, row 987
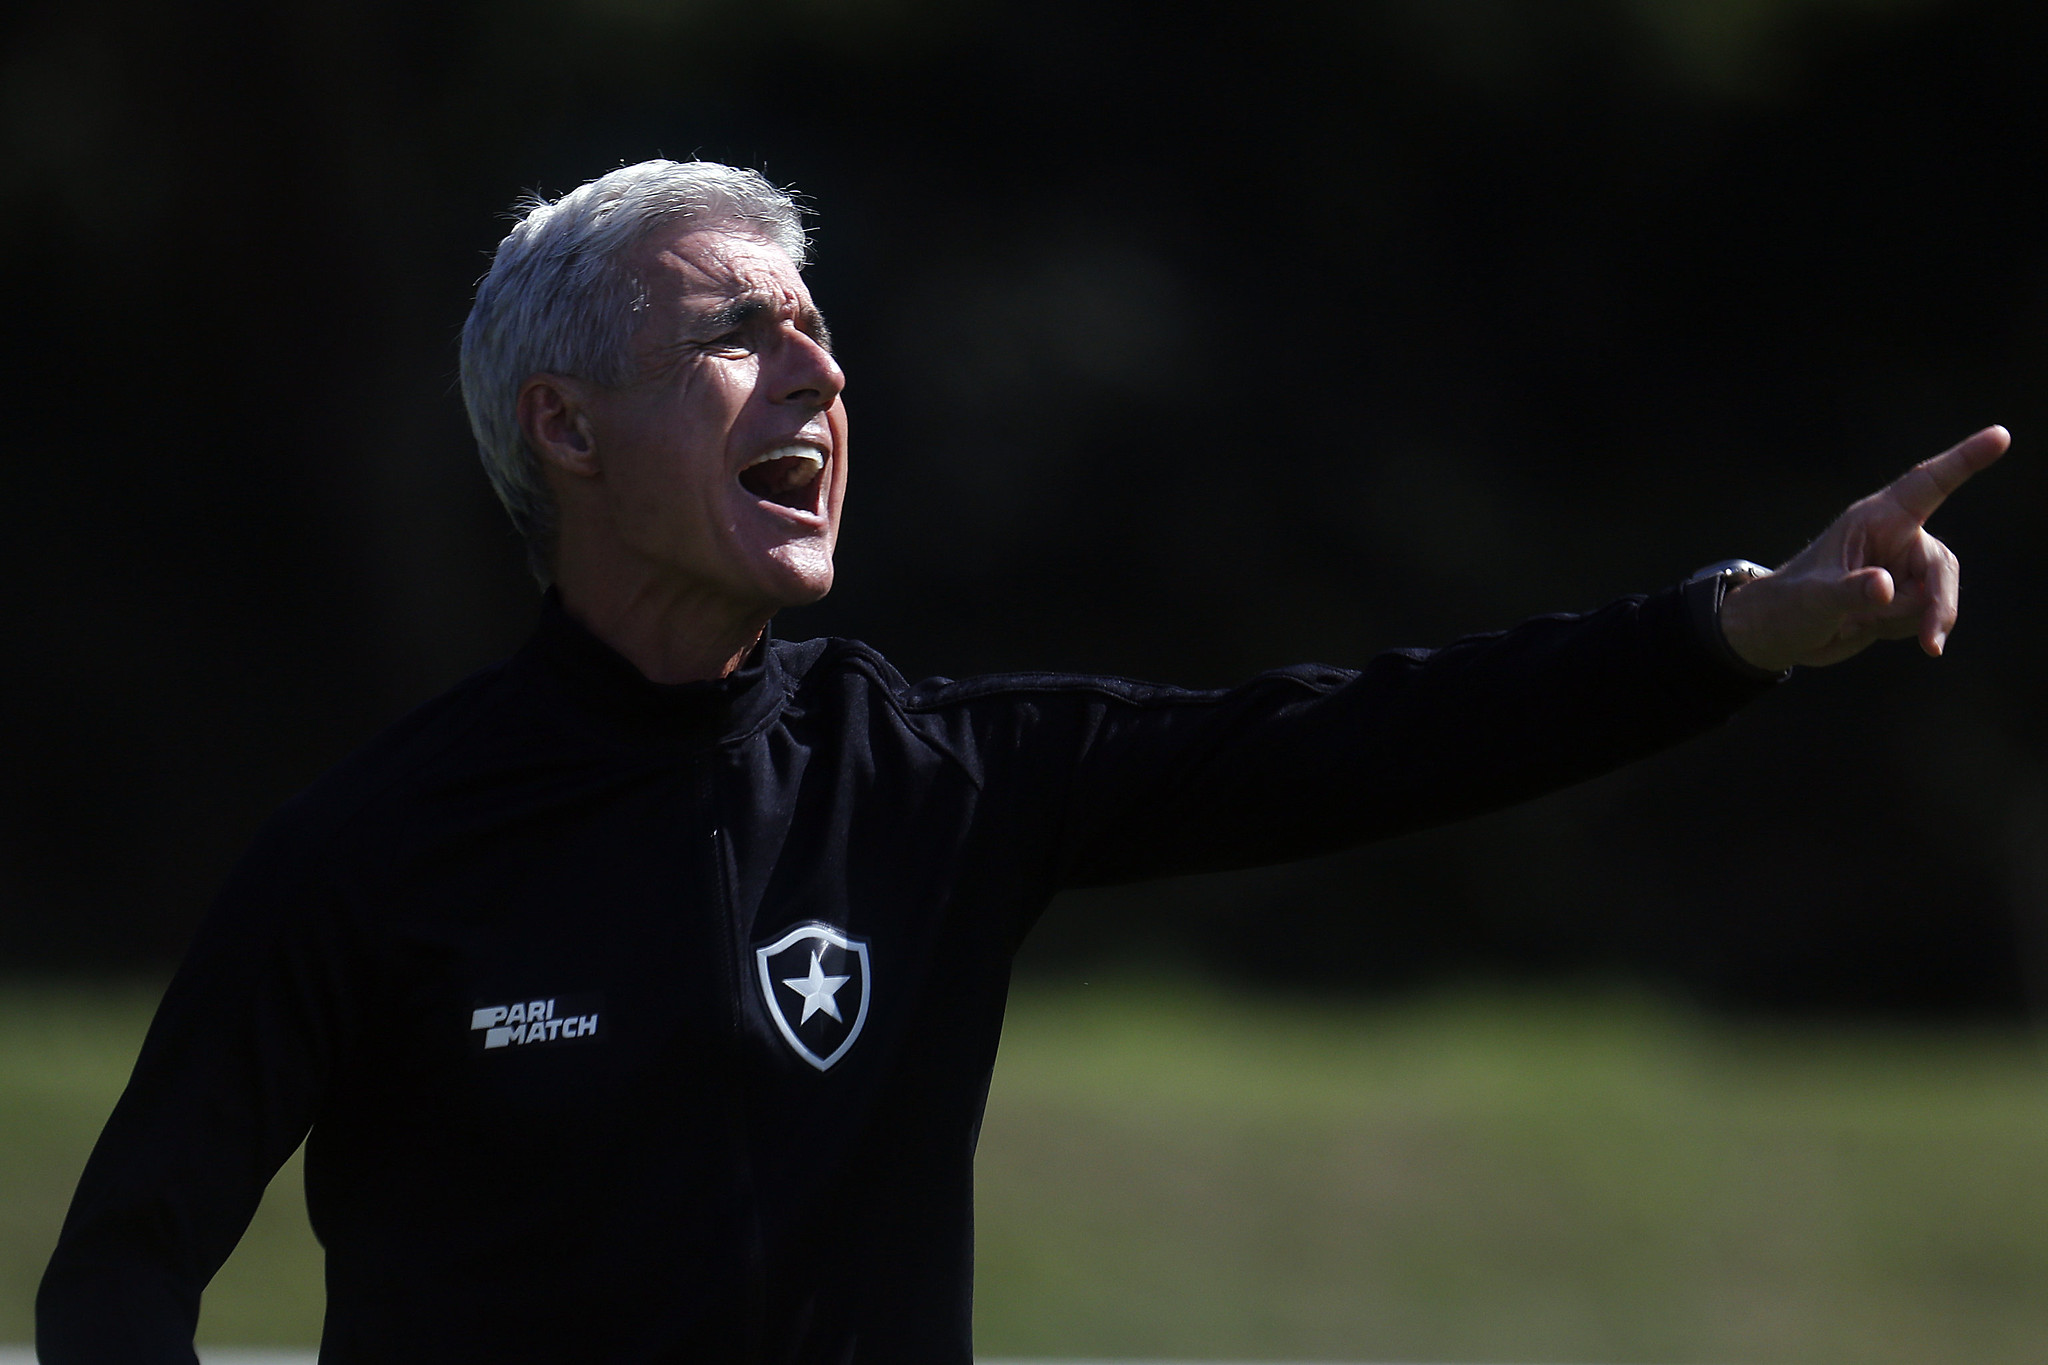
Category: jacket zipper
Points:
column 728, row 945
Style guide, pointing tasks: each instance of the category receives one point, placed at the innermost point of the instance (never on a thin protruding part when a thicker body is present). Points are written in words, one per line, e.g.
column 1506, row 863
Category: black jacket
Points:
column 636, row 1023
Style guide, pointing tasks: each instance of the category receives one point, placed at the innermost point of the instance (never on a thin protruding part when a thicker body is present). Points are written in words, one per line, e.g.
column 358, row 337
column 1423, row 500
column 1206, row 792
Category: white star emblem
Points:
column 818, row 990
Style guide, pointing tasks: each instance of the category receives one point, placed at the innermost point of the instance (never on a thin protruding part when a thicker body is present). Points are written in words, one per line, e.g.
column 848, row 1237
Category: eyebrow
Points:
column 739, row 312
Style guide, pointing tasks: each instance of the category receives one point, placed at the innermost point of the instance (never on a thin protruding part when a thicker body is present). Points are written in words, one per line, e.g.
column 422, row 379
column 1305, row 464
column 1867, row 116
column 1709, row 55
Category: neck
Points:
column 671, row 633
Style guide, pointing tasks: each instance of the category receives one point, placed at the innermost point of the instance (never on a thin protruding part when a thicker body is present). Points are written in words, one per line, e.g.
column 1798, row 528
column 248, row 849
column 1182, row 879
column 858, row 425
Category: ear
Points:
column 554, row 418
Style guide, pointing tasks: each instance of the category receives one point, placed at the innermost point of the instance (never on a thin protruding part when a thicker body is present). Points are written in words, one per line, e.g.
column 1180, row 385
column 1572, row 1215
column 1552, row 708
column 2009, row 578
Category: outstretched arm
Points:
column 1874, row 575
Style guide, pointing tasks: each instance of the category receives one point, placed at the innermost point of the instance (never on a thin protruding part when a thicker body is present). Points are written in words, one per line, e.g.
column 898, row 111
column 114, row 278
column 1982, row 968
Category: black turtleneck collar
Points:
column 607, row 683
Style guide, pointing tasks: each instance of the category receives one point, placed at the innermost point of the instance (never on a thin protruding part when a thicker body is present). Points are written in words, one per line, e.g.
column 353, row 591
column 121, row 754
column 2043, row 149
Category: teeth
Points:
column 807, row 454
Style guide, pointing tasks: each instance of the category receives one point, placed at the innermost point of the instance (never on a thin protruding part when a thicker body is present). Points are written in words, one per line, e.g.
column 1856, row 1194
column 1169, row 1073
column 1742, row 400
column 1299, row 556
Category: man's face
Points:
column 723, row 459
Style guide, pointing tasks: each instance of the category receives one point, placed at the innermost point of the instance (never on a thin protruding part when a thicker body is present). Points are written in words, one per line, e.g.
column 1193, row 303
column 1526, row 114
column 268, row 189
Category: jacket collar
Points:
column 605, row 682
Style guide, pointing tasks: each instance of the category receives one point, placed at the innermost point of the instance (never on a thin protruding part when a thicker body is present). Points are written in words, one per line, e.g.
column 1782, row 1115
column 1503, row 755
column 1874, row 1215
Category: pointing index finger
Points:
column 1924, row 487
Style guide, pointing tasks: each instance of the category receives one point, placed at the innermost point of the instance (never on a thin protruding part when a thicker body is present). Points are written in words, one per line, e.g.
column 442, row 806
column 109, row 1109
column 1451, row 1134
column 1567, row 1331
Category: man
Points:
column 640, row 995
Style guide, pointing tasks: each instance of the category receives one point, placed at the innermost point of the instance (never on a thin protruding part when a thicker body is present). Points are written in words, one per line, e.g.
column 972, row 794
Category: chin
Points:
column 802, row 575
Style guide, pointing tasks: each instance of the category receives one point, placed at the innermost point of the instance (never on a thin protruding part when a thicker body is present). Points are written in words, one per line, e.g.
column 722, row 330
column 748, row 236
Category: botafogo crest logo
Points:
column 814, row 980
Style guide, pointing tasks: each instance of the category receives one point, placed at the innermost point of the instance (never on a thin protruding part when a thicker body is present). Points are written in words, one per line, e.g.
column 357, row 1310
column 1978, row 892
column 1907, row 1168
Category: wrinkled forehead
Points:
column 693, row 268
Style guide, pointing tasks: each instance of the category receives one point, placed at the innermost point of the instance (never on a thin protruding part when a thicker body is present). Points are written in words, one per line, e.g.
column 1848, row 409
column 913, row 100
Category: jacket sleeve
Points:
column 1309, row 760
column 226, row 1086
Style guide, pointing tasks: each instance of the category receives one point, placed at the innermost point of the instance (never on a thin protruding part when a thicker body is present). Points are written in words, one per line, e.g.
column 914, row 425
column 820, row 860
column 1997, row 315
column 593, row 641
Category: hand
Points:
column 1873, row 575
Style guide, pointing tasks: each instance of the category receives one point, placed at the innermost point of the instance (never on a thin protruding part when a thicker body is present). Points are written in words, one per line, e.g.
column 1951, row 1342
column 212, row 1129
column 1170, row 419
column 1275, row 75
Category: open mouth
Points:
column 787, row 475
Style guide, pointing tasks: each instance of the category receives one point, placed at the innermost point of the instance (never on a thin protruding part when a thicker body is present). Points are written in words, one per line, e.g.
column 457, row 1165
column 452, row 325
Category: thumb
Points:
column 1859, row 591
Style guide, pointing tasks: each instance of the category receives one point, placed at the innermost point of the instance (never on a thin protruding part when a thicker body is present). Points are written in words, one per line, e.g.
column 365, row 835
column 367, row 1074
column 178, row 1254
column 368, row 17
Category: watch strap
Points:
column 1704, row 593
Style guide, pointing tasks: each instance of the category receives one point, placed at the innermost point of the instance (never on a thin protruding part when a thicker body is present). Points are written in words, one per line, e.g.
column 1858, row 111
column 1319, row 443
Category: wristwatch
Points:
column 1704, row 592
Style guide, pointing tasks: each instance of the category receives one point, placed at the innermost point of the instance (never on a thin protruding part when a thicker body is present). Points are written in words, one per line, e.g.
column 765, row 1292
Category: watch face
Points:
column 1739, row 571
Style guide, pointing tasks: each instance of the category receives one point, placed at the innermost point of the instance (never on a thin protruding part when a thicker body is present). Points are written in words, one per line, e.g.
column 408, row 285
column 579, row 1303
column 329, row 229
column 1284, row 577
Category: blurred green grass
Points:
column 1174, row 1171
column 1166, row 1172
column 65, row 1053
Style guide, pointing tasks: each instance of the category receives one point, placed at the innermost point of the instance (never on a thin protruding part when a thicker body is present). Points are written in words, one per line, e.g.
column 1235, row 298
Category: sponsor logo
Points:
column 529, row 1023
column 814, row 980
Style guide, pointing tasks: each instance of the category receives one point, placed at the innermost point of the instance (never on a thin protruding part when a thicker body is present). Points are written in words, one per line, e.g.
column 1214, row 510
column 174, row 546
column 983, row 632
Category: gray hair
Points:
column 561, row 299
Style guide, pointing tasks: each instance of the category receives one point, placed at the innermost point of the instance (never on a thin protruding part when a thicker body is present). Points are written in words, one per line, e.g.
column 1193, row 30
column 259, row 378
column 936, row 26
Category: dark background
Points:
column 1184, row 341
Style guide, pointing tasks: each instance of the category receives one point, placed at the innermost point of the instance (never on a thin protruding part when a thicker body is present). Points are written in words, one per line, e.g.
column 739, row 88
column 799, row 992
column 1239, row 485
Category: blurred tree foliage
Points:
column 1186, row 340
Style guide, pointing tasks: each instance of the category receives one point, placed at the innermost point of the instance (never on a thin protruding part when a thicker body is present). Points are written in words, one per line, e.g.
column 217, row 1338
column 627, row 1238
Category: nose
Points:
column 806, row 374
